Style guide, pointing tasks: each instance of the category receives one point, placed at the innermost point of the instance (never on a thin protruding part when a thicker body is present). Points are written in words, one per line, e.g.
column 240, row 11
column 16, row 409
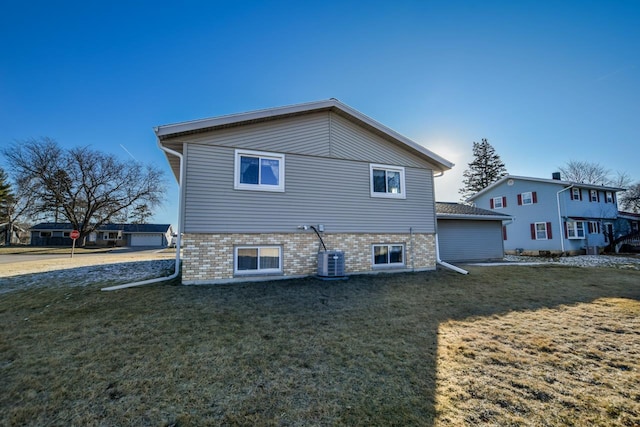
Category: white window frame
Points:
column 258, row 271
column 388, row 264
column 609, row 196
column 593, row 195
column 546, row 232
column 573, row 228
column 575, row 196
column 527, row 195
column 388, row 168
column 593, row 225
column 106, row 235
column 260, row 155
column 497, row 203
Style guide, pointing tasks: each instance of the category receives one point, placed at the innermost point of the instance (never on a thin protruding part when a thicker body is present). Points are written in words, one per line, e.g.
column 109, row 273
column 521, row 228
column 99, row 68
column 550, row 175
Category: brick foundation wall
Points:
column 208, row 258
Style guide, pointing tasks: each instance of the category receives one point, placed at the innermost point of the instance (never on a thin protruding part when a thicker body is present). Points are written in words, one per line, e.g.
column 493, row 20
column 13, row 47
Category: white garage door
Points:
column 146, row 240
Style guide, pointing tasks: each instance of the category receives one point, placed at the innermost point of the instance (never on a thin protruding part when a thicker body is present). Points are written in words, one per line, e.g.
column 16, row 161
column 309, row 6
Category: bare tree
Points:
column 630, row 199
column 85, row 187
column 585, row 172
column 141, row 214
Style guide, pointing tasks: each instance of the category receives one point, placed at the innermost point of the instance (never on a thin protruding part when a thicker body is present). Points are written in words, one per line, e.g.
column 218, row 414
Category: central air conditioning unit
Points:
column 331, row 264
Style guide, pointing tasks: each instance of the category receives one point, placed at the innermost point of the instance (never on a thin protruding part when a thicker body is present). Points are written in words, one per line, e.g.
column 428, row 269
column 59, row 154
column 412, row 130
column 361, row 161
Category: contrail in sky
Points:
column 123, row 147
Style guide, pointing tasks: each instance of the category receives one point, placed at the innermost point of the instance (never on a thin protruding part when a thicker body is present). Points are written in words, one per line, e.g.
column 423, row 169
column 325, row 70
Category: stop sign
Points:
column 74, row 234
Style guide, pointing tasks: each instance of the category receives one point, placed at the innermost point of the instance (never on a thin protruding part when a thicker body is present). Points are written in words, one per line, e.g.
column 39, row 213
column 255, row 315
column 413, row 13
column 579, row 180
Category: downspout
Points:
column 562, row 236
column 446, row 264
column 179, row 233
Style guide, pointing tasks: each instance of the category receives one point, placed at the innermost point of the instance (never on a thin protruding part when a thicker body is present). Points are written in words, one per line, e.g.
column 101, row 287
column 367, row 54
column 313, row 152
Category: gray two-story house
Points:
column 254, row 186
column 551, row 215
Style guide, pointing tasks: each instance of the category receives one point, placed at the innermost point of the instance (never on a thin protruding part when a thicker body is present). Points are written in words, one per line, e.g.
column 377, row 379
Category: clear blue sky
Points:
column 544, row 82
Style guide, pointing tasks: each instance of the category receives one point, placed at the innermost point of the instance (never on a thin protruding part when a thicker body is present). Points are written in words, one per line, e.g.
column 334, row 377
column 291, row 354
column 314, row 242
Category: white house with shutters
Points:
column 552, row 215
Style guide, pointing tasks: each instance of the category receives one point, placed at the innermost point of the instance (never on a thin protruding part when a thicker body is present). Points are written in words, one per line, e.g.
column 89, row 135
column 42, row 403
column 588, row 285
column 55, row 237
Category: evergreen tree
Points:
column 485, row 169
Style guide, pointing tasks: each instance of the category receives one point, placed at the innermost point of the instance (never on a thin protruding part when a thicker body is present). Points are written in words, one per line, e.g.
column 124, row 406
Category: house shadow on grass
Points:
column 364, row 351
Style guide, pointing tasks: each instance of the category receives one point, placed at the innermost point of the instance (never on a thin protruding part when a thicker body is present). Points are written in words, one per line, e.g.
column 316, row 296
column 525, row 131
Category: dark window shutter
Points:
column 571, row 193
column 519, row 199
column 598, row 193
column 580, row 192
column 534, row 195
column 491, row 203
column 590, row 227
column 549, row 235
column 599, row 229
column 566, row 230
column 504, row 201
column 533, row 231
column 504, row 232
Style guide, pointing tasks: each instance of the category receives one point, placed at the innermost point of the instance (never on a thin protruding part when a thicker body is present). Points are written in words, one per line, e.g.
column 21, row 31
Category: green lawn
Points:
column 504, row 346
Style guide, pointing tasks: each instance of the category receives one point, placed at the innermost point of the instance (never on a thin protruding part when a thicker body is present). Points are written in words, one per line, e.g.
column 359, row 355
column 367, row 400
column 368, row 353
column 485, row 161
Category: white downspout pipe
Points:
column 560, row 217
column 179, row 233
column 446, row 264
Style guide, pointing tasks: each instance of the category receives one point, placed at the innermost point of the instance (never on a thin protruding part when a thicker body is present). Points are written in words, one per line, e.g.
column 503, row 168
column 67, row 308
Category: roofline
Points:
column 471, row 216
column 545, row 180
column 166, row 131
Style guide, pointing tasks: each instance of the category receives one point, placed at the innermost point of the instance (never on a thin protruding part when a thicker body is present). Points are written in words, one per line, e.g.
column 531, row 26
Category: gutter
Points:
column 562, row 237
column 176, row 272
column 446, row 264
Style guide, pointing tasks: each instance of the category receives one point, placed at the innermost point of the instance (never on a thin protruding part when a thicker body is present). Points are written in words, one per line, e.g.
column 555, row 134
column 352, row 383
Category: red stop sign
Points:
column 74, row 234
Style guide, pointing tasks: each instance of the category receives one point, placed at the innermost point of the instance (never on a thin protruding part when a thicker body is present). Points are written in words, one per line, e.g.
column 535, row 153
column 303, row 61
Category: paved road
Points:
column 143, row 252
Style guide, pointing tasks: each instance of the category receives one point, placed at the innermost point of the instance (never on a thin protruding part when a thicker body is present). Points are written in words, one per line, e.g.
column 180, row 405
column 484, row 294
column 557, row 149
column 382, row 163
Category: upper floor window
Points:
column 527, row 198
column 498, row 202
column 594, row 196
column 609, row 196
column 258, row 170
column 387, row 181
column 576, row 194
column 574, row 229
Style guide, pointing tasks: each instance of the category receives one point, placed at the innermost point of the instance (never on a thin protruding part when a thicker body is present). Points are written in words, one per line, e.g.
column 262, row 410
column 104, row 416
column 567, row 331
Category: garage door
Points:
column 146, row 240
column 468, row 240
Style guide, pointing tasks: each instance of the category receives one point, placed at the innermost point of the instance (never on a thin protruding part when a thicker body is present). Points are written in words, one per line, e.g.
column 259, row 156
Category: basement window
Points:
column 388, row 255
column 258, row 260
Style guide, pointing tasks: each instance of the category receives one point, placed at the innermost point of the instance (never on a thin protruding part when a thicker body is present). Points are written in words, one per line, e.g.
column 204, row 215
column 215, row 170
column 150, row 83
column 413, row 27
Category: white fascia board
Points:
column 474, row 217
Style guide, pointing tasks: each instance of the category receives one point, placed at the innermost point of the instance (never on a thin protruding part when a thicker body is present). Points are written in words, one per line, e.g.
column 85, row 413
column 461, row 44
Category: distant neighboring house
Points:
column 551, row 215
column 254, row 184
column 627, row 232
column 467, row 233
column 57, row 234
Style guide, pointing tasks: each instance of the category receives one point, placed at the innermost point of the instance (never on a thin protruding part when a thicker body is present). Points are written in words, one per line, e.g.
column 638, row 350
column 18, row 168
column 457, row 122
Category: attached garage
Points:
column 469, row 234
column 147, row 240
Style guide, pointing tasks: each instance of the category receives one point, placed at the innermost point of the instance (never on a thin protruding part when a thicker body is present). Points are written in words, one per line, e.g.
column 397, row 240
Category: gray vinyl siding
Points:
column 318, row 190
column 467, row 240
column 322, row 134
column 349, row 141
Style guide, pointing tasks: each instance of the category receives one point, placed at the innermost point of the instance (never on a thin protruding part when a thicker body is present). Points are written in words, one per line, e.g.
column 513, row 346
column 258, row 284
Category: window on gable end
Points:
column 387, row 181
column 498, row 202
column 258, row 170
